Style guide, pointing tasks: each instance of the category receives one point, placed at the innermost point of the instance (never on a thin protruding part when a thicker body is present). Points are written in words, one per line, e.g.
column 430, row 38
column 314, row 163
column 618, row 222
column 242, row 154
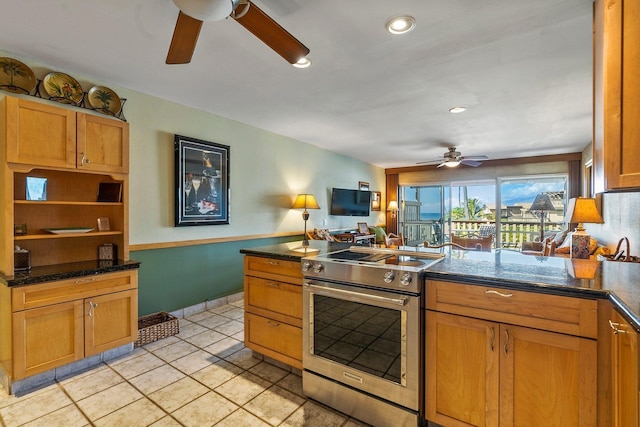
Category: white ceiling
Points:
column 521, row 67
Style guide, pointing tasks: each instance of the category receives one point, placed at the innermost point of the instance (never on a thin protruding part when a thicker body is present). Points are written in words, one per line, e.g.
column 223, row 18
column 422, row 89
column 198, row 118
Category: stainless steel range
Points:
column 362, row 342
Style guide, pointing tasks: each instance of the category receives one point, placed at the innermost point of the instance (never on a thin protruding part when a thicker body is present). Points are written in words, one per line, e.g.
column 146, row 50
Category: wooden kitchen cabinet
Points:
column 616, row 92
column 56, row 323
column 497, row 357
column 273, row 308
column 46, row 135
column 43, row 141
column 624, row 372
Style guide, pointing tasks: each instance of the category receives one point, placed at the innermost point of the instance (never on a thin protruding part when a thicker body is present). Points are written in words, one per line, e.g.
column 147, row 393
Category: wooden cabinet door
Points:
column 546, row 378
column 624, row 345
column 462, row 370
column 40, row 134
column 110, row 321
column 46, row 337
column 103, row 144
column 617, row 90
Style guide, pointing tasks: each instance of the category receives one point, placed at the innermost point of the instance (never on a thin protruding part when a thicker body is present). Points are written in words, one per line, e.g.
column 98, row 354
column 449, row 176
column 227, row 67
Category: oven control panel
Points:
column 364, row 275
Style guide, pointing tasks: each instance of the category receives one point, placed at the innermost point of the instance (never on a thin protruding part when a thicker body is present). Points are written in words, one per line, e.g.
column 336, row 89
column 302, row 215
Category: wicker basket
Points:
column 156, row 326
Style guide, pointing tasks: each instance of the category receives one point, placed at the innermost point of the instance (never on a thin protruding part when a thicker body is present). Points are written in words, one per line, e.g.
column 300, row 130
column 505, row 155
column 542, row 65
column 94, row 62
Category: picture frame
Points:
column 363, row 228
column 376, row 200
column 363, row 186
column 103, row 224
column 201, row 182
column 110, row 192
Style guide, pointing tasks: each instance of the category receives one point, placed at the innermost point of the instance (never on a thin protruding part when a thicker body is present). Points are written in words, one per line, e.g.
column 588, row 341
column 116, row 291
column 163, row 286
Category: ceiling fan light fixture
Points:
column 400, row 24
column 206, row 10
column 451, row 163
column 302, row 63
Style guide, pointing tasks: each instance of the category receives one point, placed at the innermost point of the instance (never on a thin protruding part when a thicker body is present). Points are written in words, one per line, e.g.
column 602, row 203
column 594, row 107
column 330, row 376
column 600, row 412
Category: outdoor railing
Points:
column 512, row 233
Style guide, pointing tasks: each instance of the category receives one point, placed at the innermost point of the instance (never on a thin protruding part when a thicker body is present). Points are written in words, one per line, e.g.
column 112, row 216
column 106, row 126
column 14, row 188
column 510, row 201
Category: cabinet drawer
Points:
column 277, row 269
column 274, row 339
column 40, row 295
column 575, row 316
column 279, row 300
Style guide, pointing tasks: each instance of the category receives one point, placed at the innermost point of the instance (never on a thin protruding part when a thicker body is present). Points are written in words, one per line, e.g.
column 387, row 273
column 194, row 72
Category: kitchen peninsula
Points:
column 580, row 322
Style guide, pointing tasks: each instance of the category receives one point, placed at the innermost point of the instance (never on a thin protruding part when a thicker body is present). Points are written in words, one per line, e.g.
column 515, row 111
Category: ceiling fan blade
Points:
column 442, row 164
column 430, row 162
column 185, row 36
column 468, row 162
column 476, row 157
column 270, row 32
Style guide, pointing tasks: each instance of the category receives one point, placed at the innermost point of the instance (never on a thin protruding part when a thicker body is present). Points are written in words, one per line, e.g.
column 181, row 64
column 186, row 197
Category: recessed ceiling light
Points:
column 302, row 63
column 400, row 24
column 456, row 110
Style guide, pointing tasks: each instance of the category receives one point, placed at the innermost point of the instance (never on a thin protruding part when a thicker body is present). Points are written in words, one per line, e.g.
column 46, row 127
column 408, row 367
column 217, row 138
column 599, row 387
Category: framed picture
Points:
column 103, row 224
column 375, row 200
column 364, row 186
column 363, row 228
column 201, row 181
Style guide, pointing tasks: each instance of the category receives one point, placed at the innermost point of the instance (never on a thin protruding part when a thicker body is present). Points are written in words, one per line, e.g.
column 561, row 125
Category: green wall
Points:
column 174, row 278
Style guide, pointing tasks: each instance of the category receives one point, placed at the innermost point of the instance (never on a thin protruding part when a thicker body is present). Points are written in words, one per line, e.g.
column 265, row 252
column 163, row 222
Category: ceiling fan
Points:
column 453, row 158
column 246, row 13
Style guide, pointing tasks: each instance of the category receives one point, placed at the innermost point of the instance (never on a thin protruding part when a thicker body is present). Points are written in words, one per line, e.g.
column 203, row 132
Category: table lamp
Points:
column 581, row 210
column 305, row 201
column 542, row 203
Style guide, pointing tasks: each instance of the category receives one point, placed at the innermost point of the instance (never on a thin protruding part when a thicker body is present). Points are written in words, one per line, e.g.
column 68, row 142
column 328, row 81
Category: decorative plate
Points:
column 105, row 100
column 63, row 88
column 68, row 230
column 16, row 77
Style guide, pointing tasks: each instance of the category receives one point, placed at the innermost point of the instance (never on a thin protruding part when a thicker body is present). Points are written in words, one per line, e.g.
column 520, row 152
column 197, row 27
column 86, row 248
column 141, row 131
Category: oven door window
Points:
column 362, row 336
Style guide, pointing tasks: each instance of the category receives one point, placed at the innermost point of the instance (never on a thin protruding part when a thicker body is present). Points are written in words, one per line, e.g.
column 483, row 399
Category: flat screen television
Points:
column 346, row 202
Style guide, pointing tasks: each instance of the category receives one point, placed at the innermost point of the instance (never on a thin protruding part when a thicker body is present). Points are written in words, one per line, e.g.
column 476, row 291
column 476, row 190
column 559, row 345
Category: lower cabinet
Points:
column 486, row 372
column 273, row 308
column 624, row 372
column 57, row 323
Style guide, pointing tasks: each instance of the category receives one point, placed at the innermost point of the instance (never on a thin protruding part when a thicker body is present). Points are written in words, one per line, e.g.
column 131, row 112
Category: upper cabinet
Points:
column 46, row 135
column 616, row 93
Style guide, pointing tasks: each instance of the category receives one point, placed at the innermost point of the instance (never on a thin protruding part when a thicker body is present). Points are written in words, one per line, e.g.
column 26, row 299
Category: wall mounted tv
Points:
column 346, row 202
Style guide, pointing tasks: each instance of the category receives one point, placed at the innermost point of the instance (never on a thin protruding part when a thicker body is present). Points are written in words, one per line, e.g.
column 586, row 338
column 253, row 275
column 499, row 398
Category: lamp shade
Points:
column 393, row 206
column 581, row 210
column 542, row 203
column 305, row 201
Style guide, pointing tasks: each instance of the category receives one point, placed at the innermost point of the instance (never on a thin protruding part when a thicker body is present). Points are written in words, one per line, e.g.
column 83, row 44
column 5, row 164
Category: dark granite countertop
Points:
column 66, row 271
column 618, row 282
column 294, row 251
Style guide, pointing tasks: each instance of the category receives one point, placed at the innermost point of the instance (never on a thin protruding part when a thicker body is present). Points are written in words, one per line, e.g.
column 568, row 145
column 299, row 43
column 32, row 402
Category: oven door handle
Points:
column 397, row 301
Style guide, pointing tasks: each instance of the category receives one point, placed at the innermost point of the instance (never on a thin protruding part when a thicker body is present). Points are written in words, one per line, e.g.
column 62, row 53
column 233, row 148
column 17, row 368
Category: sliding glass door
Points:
column 432, row 213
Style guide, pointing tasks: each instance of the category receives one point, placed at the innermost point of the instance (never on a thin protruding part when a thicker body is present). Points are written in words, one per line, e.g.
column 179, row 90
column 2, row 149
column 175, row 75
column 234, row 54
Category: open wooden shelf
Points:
column 44, row 235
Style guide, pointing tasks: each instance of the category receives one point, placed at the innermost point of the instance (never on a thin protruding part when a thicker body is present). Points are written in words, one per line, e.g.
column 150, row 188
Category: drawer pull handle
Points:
column 491, row 291
column 274, row 324
column 89, row 280
column 506, row 341
column 273, row 285
column 615, row 328
column 274, row 263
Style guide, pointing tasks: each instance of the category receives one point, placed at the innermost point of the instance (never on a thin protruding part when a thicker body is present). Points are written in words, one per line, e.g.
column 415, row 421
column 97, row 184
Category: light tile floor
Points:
column 203, row 376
